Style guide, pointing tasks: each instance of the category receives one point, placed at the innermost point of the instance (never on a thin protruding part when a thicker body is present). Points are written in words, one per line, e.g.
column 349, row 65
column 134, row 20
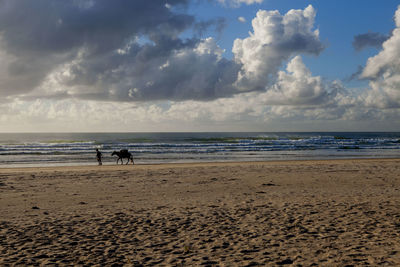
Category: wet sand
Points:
column 290, row 213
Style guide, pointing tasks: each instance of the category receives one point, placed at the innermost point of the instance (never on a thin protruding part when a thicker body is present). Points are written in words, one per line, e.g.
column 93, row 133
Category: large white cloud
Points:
column 297, row 86
column 383, row 71
column 275, row 38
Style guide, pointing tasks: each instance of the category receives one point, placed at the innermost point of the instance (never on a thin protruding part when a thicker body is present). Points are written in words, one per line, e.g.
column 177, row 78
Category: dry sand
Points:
column 301, row 213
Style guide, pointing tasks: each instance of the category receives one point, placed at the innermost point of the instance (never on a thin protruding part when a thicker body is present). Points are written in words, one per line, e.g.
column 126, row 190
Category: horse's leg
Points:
column 122, row 162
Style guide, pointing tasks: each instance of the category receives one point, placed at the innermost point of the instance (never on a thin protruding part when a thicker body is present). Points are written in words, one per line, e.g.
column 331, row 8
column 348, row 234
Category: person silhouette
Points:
column 98, row 156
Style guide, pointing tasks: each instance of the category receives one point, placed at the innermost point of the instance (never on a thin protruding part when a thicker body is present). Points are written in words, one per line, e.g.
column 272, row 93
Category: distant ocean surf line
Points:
column 64, row 149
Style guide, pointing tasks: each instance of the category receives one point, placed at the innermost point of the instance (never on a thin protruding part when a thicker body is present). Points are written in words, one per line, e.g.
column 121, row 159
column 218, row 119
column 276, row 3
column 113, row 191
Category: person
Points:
column 98, row 156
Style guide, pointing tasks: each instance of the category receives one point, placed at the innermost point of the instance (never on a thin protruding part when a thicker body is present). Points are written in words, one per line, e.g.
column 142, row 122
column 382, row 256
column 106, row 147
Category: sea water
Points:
column 62, row 149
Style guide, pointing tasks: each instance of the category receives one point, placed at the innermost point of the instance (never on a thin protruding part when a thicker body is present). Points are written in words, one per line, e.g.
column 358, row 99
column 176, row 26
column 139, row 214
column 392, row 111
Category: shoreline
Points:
column 185, row 164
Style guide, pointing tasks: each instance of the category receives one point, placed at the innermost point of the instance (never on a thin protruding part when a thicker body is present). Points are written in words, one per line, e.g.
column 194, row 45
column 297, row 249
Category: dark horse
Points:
column 123, row 153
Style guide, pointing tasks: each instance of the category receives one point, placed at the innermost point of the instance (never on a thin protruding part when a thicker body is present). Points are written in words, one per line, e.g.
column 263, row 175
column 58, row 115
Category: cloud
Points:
column 296, row 101
column 237, row 3
column 241, row 19
column 40, row 36
column 94, row 51
column 355, row 75
column 62, row 66
column 373, row 39
column 297, row 86
column 251, row 110
column 98, row 49
column 275, row 38
column 383, row 71
column 199, row 73
column 297, row 95
column 201, row 27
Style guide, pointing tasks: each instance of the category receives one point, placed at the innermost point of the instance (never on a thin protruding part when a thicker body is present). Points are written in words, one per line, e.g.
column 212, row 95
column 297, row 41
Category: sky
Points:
column 199, row 65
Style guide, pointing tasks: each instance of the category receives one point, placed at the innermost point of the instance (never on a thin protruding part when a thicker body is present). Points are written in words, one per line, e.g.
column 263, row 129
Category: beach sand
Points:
column 291, row 213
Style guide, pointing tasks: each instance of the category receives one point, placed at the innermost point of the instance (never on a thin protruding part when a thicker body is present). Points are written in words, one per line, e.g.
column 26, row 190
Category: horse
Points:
column 123, row 153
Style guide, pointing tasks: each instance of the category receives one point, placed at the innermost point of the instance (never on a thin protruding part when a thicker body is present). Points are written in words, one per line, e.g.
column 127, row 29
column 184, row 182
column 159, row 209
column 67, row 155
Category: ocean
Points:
column 71, row 149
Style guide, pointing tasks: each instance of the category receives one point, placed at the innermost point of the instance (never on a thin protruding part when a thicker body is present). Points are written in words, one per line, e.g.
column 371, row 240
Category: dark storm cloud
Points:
column 42, row 35
column 44, row 26
column 369, row 39
column 300, row 42
column 218, row 24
